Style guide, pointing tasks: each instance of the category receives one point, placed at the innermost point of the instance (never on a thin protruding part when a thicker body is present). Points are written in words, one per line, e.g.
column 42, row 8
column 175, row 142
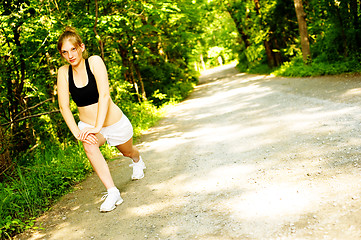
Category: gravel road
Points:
column 244, row 157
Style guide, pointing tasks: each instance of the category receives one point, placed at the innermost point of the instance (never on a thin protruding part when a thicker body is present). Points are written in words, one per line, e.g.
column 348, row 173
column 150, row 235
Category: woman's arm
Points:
column 99, row 70
column 101, row 76
column 64, row 106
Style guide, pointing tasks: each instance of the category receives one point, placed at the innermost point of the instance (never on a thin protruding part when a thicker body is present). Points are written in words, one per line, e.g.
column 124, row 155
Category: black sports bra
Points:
column 86, row 95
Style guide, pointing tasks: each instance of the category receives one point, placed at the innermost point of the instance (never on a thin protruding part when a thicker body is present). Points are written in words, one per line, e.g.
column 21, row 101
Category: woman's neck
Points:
column 80, row 66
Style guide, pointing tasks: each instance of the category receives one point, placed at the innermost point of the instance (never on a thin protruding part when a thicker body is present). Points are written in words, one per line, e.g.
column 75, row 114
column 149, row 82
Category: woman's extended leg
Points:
column 101, row 168
column 129, row 150
column 98, row 162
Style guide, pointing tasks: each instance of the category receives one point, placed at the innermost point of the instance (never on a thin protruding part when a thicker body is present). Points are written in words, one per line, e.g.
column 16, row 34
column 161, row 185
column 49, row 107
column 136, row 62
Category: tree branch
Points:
column 31, row 116
column 49, row 99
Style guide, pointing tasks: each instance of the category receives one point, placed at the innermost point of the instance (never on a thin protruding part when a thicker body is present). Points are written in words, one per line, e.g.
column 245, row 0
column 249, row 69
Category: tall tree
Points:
column 302, row 25
column 271, row 58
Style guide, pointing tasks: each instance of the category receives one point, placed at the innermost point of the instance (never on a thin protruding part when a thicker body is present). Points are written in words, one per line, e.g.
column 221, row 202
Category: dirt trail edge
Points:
column 244, row 157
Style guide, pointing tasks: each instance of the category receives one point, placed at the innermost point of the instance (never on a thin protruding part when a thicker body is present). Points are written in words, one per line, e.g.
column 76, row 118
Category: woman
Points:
column 100, row 119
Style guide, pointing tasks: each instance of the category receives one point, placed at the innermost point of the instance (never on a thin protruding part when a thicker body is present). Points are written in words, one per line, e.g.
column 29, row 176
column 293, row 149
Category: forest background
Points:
column 154, row 52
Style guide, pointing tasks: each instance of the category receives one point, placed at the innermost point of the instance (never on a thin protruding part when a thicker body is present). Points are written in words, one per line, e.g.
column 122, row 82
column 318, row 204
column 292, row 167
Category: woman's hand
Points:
column 88, row 135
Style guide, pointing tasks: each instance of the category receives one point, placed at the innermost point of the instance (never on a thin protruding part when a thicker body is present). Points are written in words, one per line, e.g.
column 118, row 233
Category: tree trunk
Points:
column 18, row 102
column 144, row 95
column 267, row 43
column 5, row 160
column 277, row 54
column 269, row 53
column 257, row 6
column 128, row 73
column 354, row 12
column 343, row 34
column 95, row 30
column 302, row 26
column 355, row 23
column 202, row 62
column 135, row 69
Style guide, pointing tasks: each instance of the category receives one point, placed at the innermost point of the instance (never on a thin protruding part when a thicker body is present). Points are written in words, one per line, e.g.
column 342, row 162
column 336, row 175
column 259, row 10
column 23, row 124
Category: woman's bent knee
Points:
column 90, row 148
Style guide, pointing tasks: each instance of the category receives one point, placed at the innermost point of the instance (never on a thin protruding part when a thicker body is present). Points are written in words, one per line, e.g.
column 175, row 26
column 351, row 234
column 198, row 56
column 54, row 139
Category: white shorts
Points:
column 116, row 134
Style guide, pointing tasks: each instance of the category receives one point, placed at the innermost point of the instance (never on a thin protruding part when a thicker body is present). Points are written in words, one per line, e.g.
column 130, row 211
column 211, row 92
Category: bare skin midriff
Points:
column 88, row 114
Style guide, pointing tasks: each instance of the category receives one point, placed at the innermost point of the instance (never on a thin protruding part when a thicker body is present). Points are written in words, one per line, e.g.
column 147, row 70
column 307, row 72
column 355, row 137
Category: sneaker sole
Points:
column 116, row 204
column 137, row 178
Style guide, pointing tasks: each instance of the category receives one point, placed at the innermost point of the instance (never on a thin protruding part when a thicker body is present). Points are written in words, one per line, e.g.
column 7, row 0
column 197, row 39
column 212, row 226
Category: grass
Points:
column 33, row 187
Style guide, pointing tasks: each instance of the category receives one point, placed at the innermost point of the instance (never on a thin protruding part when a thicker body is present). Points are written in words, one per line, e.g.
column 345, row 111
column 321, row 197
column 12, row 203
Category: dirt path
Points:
column 244, row 157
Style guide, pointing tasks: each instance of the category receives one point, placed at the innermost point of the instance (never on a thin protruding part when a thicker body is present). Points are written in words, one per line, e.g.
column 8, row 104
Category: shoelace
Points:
column 104, row 196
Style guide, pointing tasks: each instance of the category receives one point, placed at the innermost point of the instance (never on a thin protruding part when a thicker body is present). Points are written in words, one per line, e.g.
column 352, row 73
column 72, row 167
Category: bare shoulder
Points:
column 96, row 63
column 63, row 70
column 95, row 59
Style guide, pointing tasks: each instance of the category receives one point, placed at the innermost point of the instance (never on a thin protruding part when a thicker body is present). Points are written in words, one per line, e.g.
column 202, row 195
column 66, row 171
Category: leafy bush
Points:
column 167, row 82
column 142, row 115
column 296, row 67
column 260, row 69
column 49, row 173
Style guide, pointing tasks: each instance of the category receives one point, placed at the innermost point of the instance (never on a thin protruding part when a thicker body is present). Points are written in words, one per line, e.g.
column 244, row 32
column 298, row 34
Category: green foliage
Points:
column 167, row 82
column 39, row 179
column 258, row 69
column 266, row 29
column 220, row 38
column 296, row 68
column 142, row 116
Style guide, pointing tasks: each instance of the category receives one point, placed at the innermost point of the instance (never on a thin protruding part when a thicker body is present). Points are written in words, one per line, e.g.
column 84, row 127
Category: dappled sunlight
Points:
column 272, row 203
column 37, row 235
column 352, row 92
column 354, row 141
column 206, row 182
column 218, row 180
column 66, row 229
column 305, row 120
column 257, row 77
column 218, row 69
column 154, row 208
column 164, row 144
column 169, row 230
column 75, row 208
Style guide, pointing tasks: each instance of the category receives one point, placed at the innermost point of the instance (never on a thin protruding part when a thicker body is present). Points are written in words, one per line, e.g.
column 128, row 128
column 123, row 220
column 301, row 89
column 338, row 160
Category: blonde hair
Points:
column 71, row 35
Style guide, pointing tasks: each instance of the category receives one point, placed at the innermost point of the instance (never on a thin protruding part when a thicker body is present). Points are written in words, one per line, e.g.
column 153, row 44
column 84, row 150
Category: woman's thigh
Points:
column 101, row 139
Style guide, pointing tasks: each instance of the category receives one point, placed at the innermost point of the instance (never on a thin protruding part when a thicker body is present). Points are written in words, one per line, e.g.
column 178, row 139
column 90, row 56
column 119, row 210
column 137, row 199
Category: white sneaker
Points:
column 112, row 199
column 138, row 168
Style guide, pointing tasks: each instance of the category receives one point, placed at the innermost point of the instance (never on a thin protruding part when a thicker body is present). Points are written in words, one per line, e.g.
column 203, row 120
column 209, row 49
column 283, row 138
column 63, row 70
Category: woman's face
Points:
column 72, row 54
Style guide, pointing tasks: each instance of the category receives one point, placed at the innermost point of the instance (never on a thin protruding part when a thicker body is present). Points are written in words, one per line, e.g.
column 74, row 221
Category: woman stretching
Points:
column 100, row 119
